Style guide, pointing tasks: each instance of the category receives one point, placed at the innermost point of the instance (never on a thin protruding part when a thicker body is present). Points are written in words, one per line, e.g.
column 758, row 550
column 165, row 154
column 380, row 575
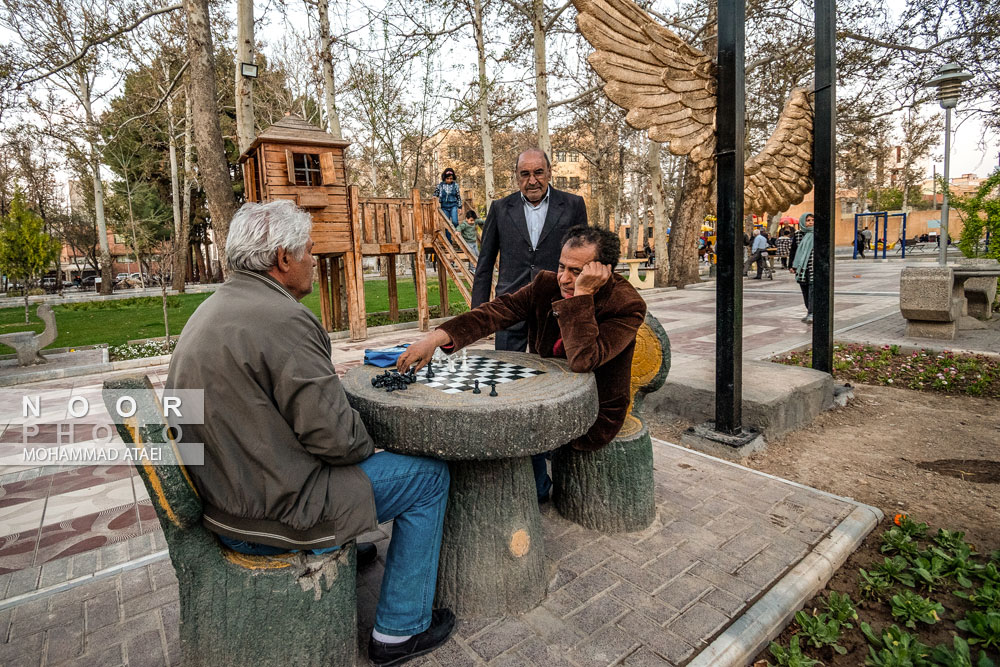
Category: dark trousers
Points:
column 515, row 339
column 755, row 257
column 807, row 295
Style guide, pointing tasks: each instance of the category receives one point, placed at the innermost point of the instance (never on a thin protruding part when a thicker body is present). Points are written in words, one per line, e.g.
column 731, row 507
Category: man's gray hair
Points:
column 258, row 230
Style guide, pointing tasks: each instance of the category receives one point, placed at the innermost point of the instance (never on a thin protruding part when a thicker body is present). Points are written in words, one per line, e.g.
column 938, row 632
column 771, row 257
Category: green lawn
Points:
column 117, row 322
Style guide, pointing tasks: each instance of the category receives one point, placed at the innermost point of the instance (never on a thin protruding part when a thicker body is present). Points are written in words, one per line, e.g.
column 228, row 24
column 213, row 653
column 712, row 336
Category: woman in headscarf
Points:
column 802, row 262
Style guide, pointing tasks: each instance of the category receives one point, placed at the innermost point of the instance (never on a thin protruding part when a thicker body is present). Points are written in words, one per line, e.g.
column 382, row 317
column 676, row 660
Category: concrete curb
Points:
column 765, row 620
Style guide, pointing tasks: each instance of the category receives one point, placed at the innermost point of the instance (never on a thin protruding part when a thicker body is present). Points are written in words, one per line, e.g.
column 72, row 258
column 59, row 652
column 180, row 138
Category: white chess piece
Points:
column 465, row 361
column 451, row 363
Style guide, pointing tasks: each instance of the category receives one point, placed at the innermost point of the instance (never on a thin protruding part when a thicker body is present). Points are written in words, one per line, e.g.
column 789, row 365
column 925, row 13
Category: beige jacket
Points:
column 280, row 439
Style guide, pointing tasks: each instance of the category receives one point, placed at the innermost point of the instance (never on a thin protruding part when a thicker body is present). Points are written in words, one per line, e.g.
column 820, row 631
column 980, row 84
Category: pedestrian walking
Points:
column 802, row 262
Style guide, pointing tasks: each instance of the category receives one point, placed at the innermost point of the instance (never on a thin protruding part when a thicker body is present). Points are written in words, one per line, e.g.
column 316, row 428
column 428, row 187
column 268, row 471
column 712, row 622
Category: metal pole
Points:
column 824, row 147
column 729, row 195
column 943, row 237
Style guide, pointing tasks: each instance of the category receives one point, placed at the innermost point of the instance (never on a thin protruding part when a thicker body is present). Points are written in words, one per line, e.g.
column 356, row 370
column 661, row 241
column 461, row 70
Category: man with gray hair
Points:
column 288, row 463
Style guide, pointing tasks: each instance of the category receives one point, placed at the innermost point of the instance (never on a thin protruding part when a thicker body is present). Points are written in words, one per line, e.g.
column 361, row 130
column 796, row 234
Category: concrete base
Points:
column 704, row 438
column 925, row 329
column 776, row 398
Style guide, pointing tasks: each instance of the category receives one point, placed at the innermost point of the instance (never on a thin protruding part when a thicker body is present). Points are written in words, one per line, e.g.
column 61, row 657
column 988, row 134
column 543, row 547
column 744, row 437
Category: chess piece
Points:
column 451, row 363
column 430, row 370
column 475, row 388
column 465, row 361
column 493, row 388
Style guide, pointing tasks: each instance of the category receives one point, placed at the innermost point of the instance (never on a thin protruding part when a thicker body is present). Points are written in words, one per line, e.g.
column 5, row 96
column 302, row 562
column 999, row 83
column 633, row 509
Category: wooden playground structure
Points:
column 296, row 161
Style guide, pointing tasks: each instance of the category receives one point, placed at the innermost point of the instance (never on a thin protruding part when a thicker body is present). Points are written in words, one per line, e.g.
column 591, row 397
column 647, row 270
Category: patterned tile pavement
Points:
column 57, row 523
column 722, row 535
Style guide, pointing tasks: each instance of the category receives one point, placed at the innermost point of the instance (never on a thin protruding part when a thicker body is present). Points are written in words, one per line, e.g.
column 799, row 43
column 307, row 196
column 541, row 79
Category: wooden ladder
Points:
column 454, row 261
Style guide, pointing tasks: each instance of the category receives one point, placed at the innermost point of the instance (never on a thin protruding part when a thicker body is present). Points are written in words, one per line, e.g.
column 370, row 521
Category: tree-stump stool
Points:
column 611, row 490
column 492, row 553
column 290, row 609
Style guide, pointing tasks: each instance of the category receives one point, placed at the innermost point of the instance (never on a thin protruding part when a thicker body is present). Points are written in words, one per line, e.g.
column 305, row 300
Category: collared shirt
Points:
column 759, row 243
column 534, row 215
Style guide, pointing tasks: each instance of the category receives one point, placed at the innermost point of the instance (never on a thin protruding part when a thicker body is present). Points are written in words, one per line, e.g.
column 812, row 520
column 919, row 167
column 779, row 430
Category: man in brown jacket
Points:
column 288, row 463
column 585, row 313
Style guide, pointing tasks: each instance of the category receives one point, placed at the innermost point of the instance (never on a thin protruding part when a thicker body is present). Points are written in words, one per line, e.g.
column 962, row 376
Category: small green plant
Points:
column 894, row 648
column 792, row 657
column 911, row 608
column 984, row 628
column 991, row 572
column 820, row 630
column 929, row 572
column 911, row 527
column 986, row 597
column 959, row 563
column 953, row 541
column 873, row 585
column 895, row 541
column 841, row 609
column 895, row 569
column 958, row 655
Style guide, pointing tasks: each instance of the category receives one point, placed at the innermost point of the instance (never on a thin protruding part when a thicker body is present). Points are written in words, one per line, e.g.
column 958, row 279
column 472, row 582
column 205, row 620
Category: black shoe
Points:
column 442, row 625
column 367, row 554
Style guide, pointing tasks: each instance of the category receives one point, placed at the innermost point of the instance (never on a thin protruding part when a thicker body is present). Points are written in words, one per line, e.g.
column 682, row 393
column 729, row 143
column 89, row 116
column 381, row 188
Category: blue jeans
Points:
column 450, row 212
column 539, row 466
column 412, row 491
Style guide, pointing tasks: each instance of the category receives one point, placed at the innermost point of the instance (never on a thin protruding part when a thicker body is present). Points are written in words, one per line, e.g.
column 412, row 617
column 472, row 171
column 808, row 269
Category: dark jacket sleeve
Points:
column 500, row 313
column 482, row 283
column 308, row 394
column 590, row 344
column 580, row 212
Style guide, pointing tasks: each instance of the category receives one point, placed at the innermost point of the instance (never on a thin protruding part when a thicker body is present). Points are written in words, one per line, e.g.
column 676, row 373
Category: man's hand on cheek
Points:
column 592, row 278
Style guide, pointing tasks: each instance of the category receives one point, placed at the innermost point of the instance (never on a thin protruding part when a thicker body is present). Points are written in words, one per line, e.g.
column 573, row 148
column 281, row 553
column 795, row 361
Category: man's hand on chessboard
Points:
column 419, row 353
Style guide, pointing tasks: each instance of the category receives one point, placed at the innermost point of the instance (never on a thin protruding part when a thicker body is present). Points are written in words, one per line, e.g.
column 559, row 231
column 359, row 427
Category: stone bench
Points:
column 937, row 301
column 290, row 609
column 611, row 490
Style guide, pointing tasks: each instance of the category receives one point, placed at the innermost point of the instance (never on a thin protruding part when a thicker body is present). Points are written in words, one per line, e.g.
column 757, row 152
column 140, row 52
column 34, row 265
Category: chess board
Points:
column 484, row 369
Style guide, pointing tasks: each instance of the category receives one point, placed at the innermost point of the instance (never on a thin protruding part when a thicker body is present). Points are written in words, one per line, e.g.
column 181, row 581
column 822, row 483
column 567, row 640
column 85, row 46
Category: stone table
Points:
column 492, row 553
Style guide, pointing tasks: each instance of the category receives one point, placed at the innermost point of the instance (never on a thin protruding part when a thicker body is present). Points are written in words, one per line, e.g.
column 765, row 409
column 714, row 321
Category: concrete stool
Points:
column 611, row 490
column 289, row 609
column 28, row 344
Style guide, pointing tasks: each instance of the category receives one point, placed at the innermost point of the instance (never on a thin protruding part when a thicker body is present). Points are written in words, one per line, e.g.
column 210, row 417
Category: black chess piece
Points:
column 493, row 388
column 430, row 370
column 475, row 388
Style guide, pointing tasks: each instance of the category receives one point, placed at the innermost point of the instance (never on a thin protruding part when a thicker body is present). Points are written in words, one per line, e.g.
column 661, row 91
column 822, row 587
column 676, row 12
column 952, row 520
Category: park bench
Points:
column 611, row 490
column 937, row 301
column 290, row 609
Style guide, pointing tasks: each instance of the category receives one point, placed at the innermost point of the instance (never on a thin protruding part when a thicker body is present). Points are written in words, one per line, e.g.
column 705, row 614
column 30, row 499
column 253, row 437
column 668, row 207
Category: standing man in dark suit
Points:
column 526, row 229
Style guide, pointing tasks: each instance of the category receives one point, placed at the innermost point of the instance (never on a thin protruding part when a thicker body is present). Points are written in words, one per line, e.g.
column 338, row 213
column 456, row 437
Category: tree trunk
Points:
column 541, row 76
column 637, row 217
column 485, row 131
column 183, row 246
column 200, row 261
column 326, row 57
column 95, row 172
column 244, row 87
column 213, row 167
column 175, row 198
column 659, row 243
column 683, row 246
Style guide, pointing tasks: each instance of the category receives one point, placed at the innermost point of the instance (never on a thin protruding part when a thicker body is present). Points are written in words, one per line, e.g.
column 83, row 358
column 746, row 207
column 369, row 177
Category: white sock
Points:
column 389, row 639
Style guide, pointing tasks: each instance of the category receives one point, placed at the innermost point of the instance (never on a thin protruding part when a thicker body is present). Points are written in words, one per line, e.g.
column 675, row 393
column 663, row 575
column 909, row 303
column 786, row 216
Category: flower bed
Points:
column 151, row 348
column 948, row 372
column 929, row 599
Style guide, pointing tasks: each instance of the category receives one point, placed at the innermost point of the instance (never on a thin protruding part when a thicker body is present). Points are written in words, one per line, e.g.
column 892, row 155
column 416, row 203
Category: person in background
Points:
column 467, row 228
column 525, row 230
column 784, row 245
column 802, row 261
column 448, row 195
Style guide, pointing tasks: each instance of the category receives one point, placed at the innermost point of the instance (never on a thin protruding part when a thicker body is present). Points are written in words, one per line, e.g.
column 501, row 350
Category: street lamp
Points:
column 249, row 70
column 948, row 82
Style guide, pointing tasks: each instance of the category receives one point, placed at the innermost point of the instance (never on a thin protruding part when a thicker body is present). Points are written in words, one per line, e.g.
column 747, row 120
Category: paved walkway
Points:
column 723, row 536
column 60, row 524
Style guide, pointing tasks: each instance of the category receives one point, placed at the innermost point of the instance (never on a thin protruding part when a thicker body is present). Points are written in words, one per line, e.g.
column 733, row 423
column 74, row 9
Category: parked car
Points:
column 90, row 282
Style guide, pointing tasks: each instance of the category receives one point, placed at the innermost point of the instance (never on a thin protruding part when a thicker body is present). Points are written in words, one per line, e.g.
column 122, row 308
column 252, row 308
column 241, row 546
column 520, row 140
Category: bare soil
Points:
column 933, row 456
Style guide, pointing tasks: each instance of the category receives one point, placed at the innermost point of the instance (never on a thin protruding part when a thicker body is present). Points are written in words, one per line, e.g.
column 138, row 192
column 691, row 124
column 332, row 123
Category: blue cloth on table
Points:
column 385, row 357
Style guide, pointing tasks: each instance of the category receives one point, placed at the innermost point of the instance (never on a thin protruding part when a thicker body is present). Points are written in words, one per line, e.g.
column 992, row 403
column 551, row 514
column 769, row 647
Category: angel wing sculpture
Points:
column 668, row 88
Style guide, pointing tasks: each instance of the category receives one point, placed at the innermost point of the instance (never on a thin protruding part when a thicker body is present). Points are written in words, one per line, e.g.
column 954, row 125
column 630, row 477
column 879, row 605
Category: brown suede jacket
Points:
column 597, row 331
